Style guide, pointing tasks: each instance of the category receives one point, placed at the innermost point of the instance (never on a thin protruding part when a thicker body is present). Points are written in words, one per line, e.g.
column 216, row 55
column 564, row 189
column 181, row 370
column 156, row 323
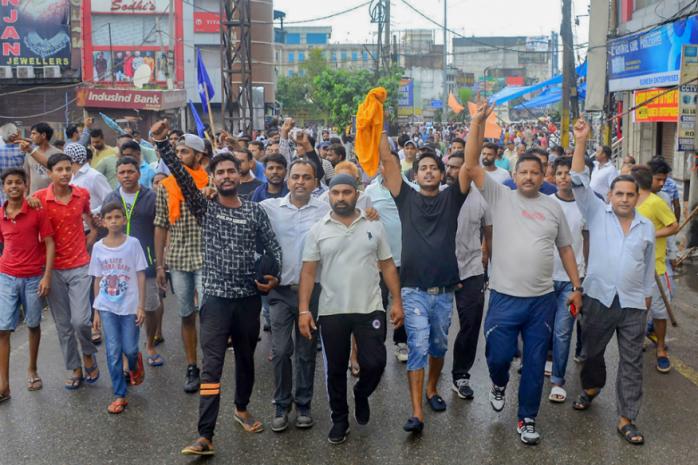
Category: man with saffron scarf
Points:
column 184, row 257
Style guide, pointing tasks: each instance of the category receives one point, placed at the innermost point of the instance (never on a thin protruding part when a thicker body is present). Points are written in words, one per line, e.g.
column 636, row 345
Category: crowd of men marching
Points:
column 277, row 232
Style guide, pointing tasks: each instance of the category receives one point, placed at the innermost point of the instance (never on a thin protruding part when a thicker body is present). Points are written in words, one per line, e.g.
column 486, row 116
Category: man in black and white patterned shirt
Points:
column 231, row 304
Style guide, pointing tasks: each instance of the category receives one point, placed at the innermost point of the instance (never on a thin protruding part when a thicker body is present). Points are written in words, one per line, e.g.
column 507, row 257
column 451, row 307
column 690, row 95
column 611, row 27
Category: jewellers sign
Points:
column 130, row 6
column 127, row 99
column 35, row 33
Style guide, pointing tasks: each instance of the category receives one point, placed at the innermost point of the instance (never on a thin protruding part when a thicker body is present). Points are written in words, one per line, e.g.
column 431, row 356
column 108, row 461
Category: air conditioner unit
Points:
column 25, row 72
column 52, row 72
column 5, row 72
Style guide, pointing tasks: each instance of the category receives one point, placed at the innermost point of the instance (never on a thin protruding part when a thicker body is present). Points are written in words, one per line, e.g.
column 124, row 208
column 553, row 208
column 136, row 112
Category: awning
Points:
column 581, row 71
column 549, row 97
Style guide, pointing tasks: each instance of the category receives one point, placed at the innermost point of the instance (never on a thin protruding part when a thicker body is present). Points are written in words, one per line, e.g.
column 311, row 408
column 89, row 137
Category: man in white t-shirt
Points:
column 489, row 155
column 564, row 318
column 604, row 171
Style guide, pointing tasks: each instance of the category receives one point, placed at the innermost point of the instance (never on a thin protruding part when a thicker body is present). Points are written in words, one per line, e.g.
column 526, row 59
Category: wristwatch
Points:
column 579, row 289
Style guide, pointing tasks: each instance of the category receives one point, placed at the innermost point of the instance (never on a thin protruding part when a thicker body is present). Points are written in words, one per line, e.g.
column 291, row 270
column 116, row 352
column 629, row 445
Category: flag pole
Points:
column 210, row 119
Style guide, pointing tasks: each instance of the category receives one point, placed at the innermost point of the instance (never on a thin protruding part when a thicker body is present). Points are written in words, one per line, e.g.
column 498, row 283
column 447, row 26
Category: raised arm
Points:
column 473, row 146
column 392, row 176
column 196, row 201
column 587, row 201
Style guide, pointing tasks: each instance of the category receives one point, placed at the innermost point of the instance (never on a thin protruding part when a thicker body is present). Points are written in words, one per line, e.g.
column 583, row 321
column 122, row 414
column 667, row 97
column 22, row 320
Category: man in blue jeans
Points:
column 429, row 269
column 564, row 319
column 527, row 227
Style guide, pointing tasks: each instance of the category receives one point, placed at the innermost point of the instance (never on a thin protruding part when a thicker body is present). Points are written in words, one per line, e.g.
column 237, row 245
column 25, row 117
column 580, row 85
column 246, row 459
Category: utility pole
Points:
column 570, row 107
column 170, row 52
column 386, row 37
column 444, row 98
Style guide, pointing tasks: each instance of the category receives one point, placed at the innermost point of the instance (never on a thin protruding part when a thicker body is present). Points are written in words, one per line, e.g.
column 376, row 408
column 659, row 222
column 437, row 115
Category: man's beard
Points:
column 486, row 162
column 343, row 208
column 232, row 192
column 450, row 180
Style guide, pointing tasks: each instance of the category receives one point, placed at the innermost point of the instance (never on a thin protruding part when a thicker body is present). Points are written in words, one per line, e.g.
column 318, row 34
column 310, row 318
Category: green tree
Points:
column 465, row 94
column 338, row 92
column 293, row 92
column 315, row 63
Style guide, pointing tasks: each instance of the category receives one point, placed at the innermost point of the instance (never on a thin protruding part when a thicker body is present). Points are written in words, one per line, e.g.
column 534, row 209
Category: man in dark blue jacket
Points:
column 139, row 205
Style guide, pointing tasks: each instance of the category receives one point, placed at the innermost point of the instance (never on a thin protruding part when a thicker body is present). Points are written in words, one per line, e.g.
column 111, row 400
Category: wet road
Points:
column 56, row 427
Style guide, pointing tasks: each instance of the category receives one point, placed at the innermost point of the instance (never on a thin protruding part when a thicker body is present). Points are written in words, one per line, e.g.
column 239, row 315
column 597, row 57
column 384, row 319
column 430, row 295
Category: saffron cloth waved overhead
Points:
column 369, row 126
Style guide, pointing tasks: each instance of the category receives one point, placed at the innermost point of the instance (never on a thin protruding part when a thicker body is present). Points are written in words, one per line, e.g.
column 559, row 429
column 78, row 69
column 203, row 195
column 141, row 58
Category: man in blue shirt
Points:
column 546, row 188
column 618, row 282
column 275, row 174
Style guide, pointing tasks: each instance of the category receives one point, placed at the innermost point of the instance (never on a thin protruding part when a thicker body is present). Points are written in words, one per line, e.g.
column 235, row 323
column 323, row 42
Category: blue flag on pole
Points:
column 203, row 80
column 112, row 124
column 197, row 120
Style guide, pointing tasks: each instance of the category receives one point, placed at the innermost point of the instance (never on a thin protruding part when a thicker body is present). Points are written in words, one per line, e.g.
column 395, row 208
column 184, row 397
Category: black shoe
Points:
column 463, row 389
column 413, row 425
column 192, row 381
column 338, row 433
column 362, row 411
column 266, row 328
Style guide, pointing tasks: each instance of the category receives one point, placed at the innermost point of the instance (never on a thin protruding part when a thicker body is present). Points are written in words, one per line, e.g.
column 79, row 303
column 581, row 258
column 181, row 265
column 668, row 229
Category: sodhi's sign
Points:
column 130, row 6
column 127, row 99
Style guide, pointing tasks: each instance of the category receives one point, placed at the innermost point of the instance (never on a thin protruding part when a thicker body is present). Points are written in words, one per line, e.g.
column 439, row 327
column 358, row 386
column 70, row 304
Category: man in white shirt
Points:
column 489, row 155
column 604, row 171
column 291, row 217
column 564, row 319
column 87, row 177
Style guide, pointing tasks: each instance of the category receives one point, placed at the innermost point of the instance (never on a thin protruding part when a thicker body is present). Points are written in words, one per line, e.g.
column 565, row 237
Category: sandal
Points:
column 199, row 447
column 157, row 340
column 156, row 360
column 557, row 394
column 4, row 397
column 74, row 383
column 631, row 434
column 355, row 369
column 96, row 338
column 90, row 378
column 34, row 384
column 117, row 407
column 137, row 376
column 249, row 424
column 584, row 400
column 437, row 403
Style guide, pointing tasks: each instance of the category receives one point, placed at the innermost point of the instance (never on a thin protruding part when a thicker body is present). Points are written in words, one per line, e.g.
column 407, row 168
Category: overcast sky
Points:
column 468, row 17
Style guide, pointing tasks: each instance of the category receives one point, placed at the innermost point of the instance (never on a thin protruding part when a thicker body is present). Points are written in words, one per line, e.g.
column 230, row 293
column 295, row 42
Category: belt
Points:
column 292, row 287
column 438, row 290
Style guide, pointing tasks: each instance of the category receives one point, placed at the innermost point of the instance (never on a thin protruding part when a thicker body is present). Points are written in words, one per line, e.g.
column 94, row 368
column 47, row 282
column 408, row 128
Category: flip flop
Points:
column 156, row 360
column 117, row 407
column 629, row 432
column 199, row 447
column 249, row 424
column 92, row 379
column 584, row 400
column 74, row 383
column 4, row 397
column 157, row 341
column 557, row 394
column 96, row 338
column 34, row 384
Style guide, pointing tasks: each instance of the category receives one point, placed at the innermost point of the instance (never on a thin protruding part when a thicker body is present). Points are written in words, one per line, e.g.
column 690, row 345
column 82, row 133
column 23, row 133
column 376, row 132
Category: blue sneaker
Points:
column 663, row 364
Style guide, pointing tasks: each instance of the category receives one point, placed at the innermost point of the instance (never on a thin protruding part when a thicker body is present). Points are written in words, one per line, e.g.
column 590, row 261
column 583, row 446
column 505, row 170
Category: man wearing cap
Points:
column 184, row 255
column 349, row 251
column 292, row 216
column 87, row 177
column 429, row 269
column 410, row 151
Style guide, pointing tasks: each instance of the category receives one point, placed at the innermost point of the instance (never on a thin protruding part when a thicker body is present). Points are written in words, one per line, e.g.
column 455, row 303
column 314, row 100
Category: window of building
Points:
column 301, row 57
column 354, row 56
column 364, row 55
column 290, row 73
column 293, row 38
column 301, row 72
column 334, row 56
column 343, row 56
column 291, row 57
column 316, row 38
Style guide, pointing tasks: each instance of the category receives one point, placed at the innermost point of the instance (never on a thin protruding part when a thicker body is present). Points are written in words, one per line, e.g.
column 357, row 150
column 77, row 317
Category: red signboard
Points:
column 207, row 22
column 514, row 80
column 126, row 99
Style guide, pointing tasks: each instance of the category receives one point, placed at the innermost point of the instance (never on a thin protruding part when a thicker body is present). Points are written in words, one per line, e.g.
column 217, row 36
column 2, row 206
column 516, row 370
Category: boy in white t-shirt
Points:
column 118, row 265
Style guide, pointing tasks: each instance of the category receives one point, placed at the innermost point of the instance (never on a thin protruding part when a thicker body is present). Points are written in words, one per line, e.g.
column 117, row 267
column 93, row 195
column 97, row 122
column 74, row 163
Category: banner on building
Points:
column 650, row 58
column 35, row 33
column 405, row 91
column 688, row 100
column 662, row 106
column 127, row 99
column 207, row 22
column 130, row 6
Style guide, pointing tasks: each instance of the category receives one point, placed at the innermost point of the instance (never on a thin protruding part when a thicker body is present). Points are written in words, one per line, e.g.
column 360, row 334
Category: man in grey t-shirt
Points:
column 527, row 226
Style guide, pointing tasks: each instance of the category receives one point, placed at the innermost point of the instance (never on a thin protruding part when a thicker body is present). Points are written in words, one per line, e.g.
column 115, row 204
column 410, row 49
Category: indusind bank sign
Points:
column 127, row 99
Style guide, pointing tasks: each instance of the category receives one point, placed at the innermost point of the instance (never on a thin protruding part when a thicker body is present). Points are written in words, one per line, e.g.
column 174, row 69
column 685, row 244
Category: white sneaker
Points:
column 497, row 399
column 527, row 429
column 401, row 352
